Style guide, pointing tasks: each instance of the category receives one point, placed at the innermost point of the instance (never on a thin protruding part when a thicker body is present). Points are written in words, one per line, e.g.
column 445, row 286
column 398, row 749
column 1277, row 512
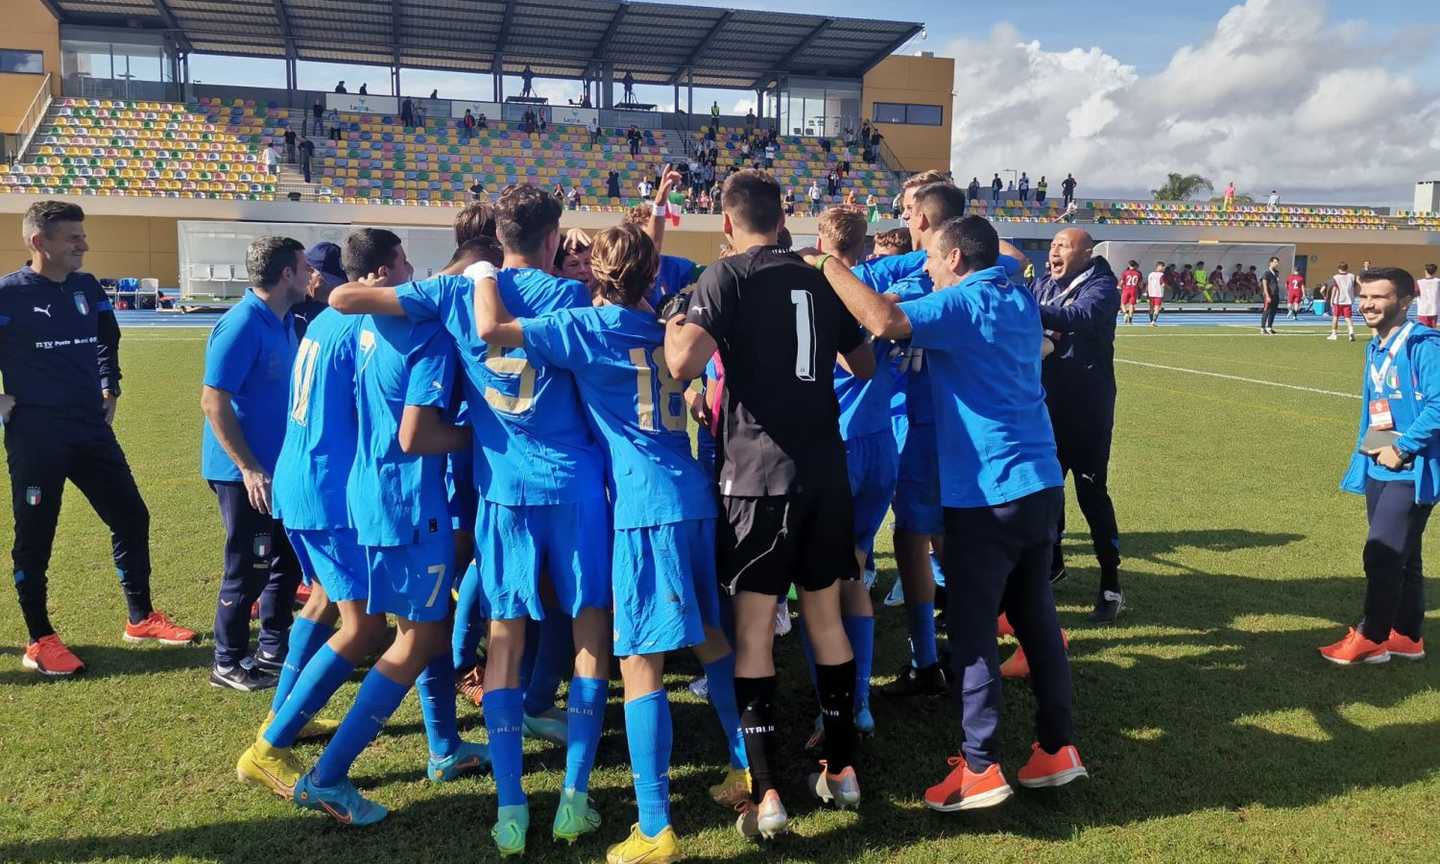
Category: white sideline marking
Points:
column 1239, row 378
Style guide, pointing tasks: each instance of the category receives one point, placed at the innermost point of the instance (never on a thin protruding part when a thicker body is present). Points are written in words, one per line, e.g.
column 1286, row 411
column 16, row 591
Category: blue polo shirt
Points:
column 249, row 355
column 982, row 342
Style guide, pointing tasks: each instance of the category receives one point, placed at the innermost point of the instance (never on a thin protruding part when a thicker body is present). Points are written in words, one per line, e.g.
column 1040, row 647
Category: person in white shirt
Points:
column 1274, row 200
column 1340, row 298
column 644, row 188
column 272, row 160
column 1155, row 289
column 1428, row 290
column 814, row 198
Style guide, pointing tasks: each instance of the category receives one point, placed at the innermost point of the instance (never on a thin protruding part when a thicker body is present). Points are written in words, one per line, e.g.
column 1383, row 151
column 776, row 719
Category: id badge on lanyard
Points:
column 1380, row 414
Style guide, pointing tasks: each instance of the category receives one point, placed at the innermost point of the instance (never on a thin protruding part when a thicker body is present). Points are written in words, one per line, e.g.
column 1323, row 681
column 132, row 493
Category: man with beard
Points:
column 1078, row 300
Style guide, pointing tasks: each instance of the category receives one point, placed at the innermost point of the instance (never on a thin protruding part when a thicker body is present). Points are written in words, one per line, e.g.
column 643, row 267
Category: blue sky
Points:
column 1075, row 68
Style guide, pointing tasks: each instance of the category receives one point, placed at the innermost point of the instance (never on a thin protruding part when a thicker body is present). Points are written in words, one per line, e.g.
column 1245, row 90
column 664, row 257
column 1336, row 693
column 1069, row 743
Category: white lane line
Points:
column 1239, row 378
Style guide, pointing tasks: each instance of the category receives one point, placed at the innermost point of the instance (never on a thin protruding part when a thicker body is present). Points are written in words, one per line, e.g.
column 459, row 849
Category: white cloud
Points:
column 1277, row 96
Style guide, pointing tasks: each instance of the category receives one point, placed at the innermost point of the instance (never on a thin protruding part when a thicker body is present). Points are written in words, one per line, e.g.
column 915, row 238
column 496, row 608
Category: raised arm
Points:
column 656, row 226
column 493, row 322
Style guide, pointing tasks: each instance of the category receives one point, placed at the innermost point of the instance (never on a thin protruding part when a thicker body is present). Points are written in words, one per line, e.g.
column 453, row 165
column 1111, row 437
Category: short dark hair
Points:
column 524, row 216
column 1430, row 269
column 367, row 250
column 268, row 256
column 974, row 236
column 1274, row 259
column 895, row 238
column 1398, row 276
column 940, row 202
column 42, row 215
column 476, row 219
column 1134, row 263
column 752, row 201
column 783, row 238
column 480, row 248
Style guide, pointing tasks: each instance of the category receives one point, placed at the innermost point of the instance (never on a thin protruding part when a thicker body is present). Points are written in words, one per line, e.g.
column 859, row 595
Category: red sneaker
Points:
column 1052, row 769
column 158, row 626
column 49, row 656
column 1402, row 646
column 471, row 685
column 963, row 789
column 1003, row 628
column 1019, row 667
column 1355, row 648
column 302, row 595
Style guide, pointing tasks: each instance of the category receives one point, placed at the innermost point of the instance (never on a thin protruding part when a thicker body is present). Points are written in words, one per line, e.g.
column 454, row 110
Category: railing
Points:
column 31, row 121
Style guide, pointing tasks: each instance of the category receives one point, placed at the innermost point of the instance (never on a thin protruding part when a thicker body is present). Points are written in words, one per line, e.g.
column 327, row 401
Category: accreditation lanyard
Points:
column 1377, row 376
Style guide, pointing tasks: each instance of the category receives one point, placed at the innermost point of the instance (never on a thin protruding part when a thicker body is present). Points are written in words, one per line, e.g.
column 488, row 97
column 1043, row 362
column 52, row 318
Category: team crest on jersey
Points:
column 81, row 304
column 367, row 340
column 32, row 496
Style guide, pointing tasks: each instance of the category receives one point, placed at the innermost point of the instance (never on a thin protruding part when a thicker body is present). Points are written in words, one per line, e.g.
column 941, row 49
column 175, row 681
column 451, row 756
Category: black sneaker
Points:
column 1107, row 607
column 910, row 681
column 239, row 678
column 263, row 661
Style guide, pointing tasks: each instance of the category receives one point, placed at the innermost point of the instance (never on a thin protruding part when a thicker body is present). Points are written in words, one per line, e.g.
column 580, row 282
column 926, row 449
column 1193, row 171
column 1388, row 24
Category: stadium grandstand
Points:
column 146, row 154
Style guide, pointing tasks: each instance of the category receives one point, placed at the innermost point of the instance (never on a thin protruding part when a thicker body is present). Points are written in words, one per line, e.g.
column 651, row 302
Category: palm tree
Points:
column 1179, row 187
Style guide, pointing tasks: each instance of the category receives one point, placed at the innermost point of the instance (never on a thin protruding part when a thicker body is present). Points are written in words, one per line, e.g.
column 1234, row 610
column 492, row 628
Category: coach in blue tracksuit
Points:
column 1396, row 466
column 247, row 375
column 59, row 355
column 1078, row 301
column 1001, row 490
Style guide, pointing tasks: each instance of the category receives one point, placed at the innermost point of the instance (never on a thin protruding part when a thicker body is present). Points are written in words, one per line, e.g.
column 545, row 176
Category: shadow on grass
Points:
column 112, row 661
column 1208, row 696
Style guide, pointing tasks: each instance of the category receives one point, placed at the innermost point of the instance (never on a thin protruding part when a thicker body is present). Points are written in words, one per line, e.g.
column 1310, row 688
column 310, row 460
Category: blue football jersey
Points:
column 533, row 444
column 639, row 410
column 396, row 498
column 865, row 404
column 320, row 428
column 919, row 394
column 674, row 274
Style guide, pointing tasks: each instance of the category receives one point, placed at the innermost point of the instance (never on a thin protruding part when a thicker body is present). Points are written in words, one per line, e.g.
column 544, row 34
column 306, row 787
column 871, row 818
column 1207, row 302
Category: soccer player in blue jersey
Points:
column 666, row 595
column 395, row 498
column 541, row 479
column 1002, row 491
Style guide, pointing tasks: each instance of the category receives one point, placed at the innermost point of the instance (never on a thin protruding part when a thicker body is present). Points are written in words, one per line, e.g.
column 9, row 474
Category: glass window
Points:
column 889, row 112
column 924, row 115
column 22, row 61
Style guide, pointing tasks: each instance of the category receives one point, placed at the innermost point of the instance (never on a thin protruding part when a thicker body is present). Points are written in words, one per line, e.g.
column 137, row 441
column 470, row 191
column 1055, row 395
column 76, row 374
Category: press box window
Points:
column 22, row 61
column 910, row 115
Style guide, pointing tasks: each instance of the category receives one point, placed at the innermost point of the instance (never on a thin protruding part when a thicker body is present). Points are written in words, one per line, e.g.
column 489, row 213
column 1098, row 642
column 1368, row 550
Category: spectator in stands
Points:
column 1010, row 188
column 335, row 131
column 467, row 126
column 340, row 88
column 875, row 139
column 1024, row 187
column 644, row 188
column 419, row 118
column 482, row 123
column 363, row 90
column 1067, row 190
column 769, row 156
column 844, row 168
column 573, row 198
column 272, row 159
column 477, row 189
column 435, row 94
column 850, row 197
column 317, row 117
column 289, row 144
column 703, row 202
column 872, row 208
column 814, row 198
column 307, row 153
column 865, row 129
column 1274, row 200
column 995, row 186
column 407, row 113
column 832, row 183
column 559, row 192
column 790, row 202
column 825, row 145
column 629, row 83
column 714, row 114
column 594, row 130
column 612, row 185
column 749, row 120
column 633, row 136
column 973, row 190
column 527, row 81
column 1040, row 190
column 1228, row 203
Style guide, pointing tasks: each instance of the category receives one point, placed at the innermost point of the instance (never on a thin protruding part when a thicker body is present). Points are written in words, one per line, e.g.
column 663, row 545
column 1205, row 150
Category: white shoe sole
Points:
column 34, row 666
column 1060, row 778
column 1371, row 660
column 136, row 640
column 992, row 798
column 1410, row 657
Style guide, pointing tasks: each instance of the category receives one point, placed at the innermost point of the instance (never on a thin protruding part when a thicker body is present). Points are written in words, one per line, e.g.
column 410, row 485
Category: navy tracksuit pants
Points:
column 998, row 558
column 44, row 447
column 259, row 565
column 1082, row 443
column 1394, row 580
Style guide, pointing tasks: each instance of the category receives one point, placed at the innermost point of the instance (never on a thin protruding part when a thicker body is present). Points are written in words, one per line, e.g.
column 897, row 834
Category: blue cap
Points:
column 325, row 258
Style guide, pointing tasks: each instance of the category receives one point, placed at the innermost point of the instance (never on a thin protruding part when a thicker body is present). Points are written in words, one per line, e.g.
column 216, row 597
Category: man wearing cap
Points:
column 324, row 259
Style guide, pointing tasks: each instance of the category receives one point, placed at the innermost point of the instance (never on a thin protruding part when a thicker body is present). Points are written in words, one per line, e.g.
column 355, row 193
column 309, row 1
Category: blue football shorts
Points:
column 517, row 545
column 412, row 581
column 872, row 462
column 333, row 558
column 917, row 492
column 665, row 588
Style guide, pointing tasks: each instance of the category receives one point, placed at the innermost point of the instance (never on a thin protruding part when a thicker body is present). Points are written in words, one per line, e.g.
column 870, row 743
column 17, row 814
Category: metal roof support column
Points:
column 498, row 73
column 607, row 73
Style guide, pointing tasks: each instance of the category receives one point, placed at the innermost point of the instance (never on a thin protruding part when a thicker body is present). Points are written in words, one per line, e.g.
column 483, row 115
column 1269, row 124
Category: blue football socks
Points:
column 377, row 700
column 317, row 682
column 306, row 637
column 861, row 633
column 436, row 688
column 585, row 706
column 720, row 677
column 504, row 722
column 469, row 622
column 920, row 619
column 648, row 733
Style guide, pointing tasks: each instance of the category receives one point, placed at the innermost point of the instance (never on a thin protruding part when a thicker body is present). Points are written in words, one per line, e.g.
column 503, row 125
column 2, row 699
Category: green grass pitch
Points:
column 1212, row 729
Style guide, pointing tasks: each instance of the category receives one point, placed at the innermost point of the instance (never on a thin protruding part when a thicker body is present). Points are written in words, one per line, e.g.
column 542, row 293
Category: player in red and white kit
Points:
column 1341, row 296
column 1129, row 291
column 1295, row 292
column 1155, row 289
column 1428, row 291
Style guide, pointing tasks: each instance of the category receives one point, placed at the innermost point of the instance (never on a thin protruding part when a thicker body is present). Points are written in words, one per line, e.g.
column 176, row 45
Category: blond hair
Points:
column 624, row 262
column 925, row 178
column 843, row 229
